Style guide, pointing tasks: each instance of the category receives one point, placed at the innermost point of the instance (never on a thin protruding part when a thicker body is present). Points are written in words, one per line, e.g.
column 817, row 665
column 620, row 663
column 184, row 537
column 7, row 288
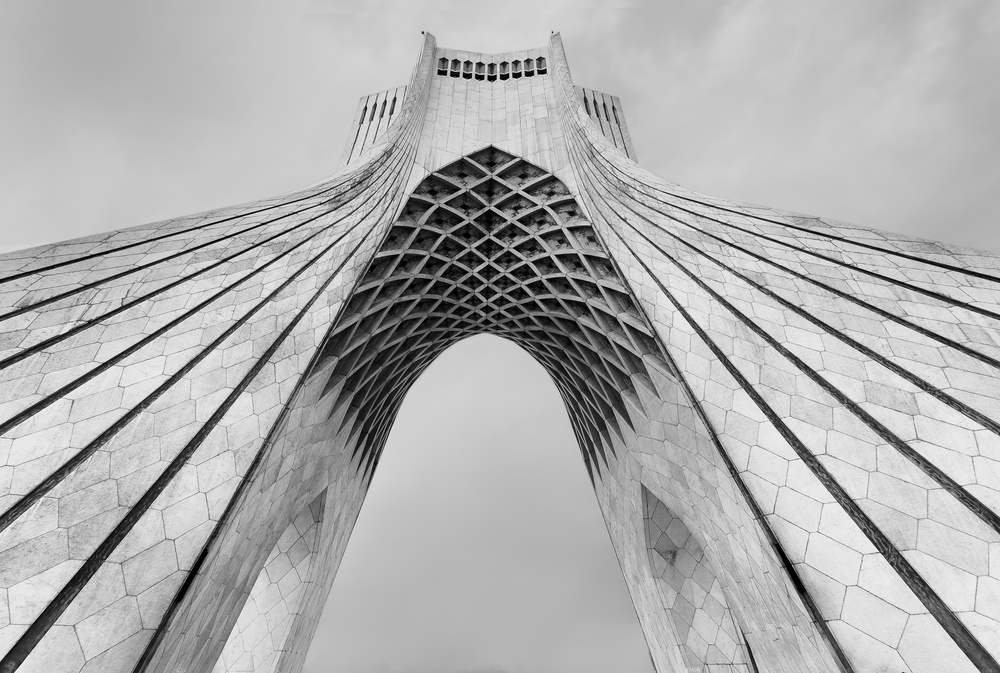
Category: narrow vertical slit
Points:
column 753, row 662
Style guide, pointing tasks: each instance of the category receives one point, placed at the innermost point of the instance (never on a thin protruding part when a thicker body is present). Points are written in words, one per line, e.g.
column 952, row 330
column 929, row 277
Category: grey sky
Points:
column 881, row 113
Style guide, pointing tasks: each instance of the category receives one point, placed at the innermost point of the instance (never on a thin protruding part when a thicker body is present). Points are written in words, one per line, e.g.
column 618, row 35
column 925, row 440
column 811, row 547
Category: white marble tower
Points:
column 792, row 425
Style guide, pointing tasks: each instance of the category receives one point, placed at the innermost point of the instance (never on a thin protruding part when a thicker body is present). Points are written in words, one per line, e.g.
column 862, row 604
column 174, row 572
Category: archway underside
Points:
column 492, row 244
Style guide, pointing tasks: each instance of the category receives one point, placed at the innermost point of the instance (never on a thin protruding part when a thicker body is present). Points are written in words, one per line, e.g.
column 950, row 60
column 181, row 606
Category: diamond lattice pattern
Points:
column 492, row 244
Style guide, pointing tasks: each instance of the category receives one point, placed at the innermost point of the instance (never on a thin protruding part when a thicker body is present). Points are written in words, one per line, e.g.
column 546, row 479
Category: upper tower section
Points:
column 510, row 100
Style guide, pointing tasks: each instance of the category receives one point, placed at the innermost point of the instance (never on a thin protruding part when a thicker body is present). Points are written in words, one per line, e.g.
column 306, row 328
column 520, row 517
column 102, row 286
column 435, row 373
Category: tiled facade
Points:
column 792, row 424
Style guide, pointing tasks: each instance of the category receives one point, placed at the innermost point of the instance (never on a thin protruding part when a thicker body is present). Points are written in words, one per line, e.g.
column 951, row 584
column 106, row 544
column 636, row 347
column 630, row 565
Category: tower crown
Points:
column 511, row 100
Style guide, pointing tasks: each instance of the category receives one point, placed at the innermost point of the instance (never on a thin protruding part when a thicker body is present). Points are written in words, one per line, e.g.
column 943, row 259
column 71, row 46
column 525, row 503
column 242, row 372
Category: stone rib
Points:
column 826, row 234
column 147, row 241
column 13, row 659
column 972, row 503
column 251, row 474
column 48, row 300
column 25, row 414
column 854, row 299
column 77, row 329
column 944, row 298
column 8, row 517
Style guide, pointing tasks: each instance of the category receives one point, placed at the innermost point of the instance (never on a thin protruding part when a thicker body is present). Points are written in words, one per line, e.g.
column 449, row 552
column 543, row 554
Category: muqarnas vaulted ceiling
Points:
column 492, row 244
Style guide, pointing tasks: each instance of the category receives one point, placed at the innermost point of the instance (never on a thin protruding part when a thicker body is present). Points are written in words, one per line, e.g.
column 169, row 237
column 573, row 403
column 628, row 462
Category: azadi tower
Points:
column 792, row 425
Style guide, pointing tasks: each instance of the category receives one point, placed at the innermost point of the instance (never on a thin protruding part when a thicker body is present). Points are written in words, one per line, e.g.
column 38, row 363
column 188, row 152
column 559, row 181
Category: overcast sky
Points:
column 480, row 547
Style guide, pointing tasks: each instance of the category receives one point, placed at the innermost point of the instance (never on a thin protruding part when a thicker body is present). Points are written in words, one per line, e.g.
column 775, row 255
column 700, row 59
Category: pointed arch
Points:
column 258, row 639
column 492, row 244
column 709, row 636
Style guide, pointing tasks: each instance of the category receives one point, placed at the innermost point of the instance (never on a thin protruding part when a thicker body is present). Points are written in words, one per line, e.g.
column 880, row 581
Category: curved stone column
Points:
column 847, row 379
